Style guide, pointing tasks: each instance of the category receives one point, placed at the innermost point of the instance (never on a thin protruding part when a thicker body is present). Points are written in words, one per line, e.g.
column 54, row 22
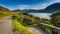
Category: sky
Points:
column 27, row 4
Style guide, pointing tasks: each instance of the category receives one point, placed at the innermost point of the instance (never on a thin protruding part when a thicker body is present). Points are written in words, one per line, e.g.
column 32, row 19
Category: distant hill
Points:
column 30, row 11
column 49, row 9
column 17, row 11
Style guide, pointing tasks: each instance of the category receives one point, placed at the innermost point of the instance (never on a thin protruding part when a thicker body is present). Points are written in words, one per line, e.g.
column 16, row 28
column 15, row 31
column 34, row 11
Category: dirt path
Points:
column 35, row 30
column 6, row 25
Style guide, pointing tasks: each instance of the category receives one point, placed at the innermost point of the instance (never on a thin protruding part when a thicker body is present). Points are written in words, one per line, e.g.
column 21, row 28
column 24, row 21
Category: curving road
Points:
column 6, row 25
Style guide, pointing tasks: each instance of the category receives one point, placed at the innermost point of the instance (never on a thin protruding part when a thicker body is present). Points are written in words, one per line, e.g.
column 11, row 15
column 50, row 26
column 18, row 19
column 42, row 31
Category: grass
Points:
column 20, row 27
column 4, row 14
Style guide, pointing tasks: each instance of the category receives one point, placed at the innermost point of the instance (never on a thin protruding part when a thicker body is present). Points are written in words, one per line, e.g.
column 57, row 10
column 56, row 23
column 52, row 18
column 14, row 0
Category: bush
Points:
column 20, row 27
column 55, row 19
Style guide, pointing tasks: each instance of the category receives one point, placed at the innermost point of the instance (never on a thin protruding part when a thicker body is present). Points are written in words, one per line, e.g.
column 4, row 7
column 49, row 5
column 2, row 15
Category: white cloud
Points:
column 32, row 7
column 23, row 7
column 50, row 3
column 43, row 5
column 56, row 0
column 38, row 6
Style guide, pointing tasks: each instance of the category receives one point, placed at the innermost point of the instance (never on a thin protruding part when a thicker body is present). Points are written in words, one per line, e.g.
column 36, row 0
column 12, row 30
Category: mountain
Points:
column 17, row 11
column 52, row 8
column 29, row 11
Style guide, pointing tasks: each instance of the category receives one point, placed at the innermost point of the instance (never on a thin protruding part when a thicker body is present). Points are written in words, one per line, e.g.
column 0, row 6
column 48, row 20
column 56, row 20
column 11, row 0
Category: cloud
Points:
column 32, row 7
column 50, row 3
column 42, row 6
column 56, row 0
column 23, row 7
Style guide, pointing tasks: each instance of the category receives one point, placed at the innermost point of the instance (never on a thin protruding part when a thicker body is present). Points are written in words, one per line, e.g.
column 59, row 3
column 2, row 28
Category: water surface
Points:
column 41, row 15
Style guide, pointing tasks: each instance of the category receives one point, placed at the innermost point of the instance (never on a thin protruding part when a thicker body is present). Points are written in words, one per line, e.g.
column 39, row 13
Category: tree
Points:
column 27, row 21
column 55, row 19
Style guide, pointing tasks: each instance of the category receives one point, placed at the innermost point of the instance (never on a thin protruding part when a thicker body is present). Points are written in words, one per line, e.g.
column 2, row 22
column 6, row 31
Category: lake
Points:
column 41, row 15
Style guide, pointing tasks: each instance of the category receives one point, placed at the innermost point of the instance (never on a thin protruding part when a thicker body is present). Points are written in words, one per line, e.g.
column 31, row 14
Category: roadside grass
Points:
column 20, row 27
column 4, row 14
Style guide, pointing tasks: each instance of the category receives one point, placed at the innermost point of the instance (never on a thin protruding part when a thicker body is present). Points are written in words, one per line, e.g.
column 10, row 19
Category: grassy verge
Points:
column 3, row 14
column 20, row 27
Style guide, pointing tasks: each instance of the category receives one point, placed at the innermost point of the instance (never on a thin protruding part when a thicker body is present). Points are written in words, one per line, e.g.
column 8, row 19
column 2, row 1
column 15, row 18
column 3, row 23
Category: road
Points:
column 36, row 30
column 6, row 25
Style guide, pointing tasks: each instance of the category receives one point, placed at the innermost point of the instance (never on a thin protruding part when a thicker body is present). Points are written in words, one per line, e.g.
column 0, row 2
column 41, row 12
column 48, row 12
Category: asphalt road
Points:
column 6, row 25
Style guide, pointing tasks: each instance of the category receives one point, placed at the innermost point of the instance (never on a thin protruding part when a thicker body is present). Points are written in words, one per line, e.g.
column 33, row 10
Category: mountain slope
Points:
column 53, row 7
column 4, row 12
column 4, row 9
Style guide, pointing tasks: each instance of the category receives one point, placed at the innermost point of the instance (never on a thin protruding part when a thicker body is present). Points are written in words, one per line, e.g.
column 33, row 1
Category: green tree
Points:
column 55, row 19
column 27, row 21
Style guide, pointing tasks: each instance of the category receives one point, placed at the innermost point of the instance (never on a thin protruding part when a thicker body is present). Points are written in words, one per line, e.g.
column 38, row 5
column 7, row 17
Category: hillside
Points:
column 23, row 20
column 5, row 12
column 53, row 8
